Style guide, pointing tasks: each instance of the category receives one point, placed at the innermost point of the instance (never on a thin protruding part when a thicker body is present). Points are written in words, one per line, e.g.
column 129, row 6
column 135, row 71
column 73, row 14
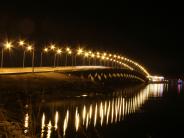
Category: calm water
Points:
column 154, row 110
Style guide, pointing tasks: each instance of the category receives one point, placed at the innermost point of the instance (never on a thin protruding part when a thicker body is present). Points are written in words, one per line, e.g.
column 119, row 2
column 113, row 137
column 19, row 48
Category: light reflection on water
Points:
column 77, row 119
column 43, row 125
column 97, row 113
column 65, row 122
column 26, row 123
column 179, row 87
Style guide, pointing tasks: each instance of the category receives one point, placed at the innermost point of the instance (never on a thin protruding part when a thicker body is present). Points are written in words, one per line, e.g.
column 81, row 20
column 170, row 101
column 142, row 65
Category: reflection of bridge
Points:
column 75, row 115
column 81, row 114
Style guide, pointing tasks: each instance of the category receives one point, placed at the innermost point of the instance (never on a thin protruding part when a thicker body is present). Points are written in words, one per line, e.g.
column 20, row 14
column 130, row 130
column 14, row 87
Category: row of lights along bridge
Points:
column 98, row 58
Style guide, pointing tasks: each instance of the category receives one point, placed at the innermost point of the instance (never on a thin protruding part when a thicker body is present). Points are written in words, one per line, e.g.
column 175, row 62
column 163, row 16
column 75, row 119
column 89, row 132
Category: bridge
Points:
column 92, row 64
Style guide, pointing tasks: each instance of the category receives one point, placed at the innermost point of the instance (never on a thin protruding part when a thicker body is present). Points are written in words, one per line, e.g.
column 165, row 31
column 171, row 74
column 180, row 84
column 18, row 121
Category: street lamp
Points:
column 45, row 50
column 104, row 54
column 21, row 43
column 52, row 47
column 111, row 62
column 98, row 57
column 89, row 57
column 79, row 52
column 6, row 45
column 57, row 52
column 30, row 48
column 86, row 54
column 68, row 51
column 103, row 60
column 93, row 57
column 107, row 58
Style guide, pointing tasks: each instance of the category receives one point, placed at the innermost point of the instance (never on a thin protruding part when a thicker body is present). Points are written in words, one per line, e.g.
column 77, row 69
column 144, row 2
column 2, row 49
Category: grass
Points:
column 36, row 81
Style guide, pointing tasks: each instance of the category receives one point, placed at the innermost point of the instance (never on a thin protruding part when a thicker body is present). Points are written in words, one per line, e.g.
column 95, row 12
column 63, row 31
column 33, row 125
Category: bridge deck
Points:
column 48, row 69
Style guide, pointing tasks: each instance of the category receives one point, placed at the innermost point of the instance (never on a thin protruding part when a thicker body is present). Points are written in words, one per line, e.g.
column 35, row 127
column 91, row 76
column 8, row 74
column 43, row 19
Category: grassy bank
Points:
column 56, row 82
column 37, row 81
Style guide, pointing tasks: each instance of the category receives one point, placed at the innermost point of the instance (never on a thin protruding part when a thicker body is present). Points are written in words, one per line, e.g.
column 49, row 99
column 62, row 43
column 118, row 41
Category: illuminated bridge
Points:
column 95, row 65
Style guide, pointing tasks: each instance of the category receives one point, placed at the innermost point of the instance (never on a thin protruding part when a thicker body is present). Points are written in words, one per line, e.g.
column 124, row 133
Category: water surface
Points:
column 154, row 110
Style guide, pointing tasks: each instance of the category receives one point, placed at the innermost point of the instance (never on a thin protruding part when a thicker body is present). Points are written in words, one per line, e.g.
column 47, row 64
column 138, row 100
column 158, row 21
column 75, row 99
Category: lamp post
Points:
column 75, row 60
column 98, row 57
column 52, row 47
column 89, row 59
column 86, row 55
column 55, row 56
column 66, row 60
column 22, row 43
column 83, row 61
column 54, row 60
column 79, row 52
column 2, row 51
column 33, row 60
column 7, row 45
column 68, row 51
column 41, row 56
column 93, row 58
column 29, row 48
column 23, row 58
column 95, row 61
column 59, row 51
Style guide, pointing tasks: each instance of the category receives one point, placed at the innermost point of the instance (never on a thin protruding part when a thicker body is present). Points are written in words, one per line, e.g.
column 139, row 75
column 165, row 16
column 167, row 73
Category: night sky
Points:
column 151, row 33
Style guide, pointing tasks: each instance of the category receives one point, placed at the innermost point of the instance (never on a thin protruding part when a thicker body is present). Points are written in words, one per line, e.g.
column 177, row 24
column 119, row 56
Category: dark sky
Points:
column 147, row 31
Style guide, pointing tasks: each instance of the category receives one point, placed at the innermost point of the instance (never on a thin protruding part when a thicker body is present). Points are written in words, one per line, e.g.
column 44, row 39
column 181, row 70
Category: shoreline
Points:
column 52, row 81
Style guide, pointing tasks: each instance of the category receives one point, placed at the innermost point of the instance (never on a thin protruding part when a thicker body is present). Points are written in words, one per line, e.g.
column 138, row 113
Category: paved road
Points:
column 47, row 69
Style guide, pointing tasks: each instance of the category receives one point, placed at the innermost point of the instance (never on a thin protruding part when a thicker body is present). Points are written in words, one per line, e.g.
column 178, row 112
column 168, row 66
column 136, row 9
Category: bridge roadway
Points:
column 49, row 69
column 90, row 72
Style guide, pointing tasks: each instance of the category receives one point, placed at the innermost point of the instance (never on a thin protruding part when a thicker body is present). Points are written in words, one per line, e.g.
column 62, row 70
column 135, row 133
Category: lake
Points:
column 153, row 110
